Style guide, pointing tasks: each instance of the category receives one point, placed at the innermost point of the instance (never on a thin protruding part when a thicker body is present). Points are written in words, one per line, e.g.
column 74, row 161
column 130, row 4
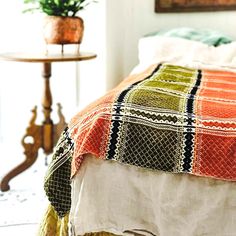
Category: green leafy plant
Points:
column 57, row 7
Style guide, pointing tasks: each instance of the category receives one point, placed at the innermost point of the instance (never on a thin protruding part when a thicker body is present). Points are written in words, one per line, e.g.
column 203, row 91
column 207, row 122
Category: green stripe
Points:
column 162, row 89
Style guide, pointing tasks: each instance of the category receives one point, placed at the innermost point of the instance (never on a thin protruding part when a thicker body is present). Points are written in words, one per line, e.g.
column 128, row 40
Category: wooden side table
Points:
column 46, row 135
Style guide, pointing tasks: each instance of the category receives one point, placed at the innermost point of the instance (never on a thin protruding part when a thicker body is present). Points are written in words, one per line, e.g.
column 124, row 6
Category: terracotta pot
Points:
column 63, row 30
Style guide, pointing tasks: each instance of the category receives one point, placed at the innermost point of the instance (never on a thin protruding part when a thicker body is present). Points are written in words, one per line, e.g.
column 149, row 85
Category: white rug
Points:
column 22, row 207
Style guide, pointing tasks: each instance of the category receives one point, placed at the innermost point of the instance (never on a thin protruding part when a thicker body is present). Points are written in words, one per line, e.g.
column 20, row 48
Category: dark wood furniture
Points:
column 46, row 135
column 162, row 6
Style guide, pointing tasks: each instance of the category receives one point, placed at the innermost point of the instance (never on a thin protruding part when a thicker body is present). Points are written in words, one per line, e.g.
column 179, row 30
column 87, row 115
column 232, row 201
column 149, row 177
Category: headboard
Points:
column 194, row 6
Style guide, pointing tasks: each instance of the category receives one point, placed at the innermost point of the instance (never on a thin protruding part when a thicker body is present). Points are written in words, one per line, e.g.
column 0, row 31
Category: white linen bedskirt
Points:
column 112, row 197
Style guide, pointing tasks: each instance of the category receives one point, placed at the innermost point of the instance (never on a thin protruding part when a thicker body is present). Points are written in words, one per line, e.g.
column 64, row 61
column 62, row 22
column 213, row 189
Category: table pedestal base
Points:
column 43, row 136
column 36, row 137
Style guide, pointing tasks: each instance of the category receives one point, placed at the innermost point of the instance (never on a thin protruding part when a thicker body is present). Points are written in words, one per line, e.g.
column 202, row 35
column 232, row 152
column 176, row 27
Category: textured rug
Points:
column 23, row 206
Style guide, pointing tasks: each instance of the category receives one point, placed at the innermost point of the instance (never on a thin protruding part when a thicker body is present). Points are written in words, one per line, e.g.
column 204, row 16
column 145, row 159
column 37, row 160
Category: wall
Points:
column 91, row 82
column 128, row 20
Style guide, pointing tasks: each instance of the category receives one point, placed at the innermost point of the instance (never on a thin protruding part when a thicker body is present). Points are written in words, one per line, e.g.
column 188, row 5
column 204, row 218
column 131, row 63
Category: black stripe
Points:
column 189, row 135
column 117, row 123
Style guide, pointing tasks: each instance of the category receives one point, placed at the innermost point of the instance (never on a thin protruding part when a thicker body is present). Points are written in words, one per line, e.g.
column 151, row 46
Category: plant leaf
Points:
column 58, row 7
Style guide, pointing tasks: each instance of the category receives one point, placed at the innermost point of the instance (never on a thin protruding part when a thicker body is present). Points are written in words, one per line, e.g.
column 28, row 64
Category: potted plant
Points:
column 62, row 25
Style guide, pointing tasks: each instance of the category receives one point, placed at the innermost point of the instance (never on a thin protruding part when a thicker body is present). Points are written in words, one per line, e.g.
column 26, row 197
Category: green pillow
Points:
column 206, row 36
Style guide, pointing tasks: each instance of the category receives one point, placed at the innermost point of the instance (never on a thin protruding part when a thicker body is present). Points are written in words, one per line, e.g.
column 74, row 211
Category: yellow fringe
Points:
column 52, row 225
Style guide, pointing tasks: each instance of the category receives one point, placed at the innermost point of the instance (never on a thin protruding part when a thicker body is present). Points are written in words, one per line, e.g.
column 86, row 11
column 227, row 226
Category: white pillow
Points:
column 159, row 49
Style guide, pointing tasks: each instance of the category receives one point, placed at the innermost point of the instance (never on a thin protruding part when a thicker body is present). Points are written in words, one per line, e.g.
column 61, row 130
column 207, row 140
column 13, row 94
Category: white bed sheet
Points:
column 121, row 199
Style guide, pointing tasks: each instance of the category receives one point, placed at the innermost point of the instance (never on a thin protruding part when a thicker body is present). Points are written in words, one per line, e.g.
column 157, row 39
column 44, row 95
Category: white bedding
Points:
column 108, row 196
column 159, row 49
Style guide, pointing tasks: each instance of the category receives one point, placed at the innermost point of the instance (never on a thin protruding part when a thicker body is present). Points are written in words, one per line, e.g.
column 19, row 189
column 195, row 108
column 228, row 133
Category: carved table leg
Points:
column 38, row 136
column 31, row 143
column 60, row 126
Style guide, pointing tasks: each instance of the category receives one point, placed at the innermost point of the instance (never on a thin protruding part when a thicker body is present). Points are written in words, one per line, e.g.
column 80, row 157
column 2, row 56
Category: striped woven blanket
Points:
column 168, row 118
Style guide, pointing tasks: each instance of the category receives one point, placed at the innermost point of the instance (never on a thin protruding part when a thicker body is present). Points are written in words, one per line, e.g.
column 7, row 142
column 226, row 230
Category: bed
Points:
column 157, row 154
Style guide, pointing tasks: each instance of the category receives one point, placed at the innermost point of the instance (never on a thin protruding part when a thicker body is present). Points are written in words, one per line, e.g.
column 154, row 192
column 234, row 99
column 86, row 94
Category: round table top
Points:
column 50, row 57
